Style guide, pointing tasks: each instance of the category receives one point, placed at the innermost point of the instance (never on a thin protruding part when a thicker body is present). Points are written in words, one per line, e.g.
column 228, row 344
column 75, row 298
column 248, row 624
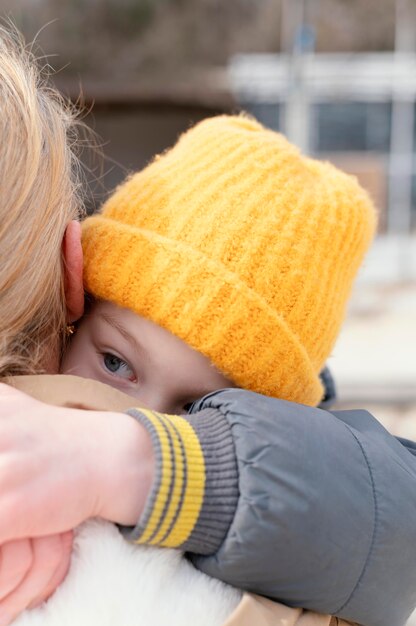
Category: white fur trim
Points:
column 114, row 583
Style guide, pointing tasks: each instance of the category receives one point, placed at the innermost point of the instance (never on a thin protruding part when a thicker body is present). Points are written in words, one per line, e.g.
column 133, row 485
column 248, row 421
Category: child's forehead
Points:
column 125, row 322
column 105, row 308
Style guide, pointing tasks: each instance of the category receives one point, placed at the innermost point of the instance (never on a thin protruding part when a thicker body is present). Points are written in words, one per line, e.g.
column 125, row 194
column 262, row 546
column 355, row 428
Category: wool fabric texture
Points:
column 239, row 245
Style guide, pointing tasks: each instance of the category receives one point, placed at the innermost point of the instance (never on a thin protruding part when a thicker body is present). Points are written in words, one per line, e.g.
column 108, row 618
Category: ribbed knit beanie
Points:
column 239, row 245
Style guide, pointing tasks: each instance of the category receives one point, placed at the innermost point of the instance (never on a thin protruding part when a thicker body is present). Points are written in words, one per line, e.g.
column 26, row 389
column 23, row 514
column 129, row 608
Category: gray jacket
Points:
column 312, row 508
column 326, row 516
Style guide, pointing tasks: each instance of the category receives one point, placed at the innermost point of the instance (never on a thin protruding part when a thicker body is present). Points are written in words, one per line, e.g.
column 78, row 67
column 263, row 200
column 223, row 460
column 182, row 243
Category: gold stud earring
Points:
column 69, row 330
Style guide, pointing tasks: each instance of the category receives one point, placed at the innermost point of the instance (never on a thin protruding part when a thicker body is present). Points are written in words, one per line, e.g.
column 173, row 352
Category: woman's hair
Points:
column 39, row 195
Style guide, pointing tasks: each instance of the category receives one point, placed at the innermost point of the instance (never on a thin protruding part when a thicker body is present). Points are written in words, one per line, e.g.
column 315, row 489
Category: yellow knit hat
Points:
column 239, row 245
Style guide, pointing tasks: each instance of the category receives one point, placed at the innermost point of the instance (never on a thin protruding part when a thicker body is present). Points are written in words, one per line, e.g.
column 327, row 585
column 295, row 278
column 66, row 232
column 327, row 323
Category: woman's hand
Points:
column 60, row 466
column 30, row 571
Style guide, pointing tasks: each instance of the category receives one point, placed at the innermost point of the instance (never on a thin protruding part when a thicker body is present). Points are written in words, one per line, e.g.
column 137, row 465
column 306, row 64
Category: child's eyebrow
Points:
column 127, row 336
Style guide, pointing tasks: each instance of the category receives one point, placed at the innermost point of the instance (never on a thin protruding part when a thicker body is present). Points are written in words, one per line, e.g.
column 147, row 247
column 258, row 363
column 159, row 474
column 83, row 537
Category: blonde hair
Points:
column 39, row 195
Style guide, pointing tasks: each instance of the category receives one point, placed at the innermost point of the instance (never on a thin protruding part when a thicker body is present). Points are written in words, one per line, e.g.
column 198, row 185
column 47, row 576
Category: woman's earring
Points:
column 69, row 330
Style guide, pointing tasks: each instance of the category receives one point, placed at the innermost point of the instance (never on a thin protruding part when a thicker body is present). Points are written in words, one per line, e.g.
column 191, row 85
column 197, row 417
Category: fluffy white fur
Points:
column 114, row 583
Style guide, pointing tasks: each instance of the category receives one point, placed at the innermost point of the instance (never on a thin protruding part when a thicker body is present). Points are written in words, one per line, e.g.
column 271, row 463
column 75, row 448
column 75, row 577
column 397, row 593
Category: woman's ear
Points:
column 72, row 254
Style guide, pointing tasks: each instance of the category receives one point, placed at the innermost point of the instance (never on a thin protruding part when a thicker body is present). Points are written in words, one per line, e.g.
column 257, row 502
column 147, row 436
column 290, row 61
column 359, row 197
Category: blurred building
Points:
column 357, row 110
column 135, row 120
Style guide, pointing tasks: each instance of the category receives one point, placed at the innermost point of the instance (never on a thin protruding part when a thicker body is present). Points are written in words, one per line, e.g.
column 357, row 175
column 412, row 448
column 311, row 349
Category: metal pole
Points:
column 402, row 130
column 296, row 40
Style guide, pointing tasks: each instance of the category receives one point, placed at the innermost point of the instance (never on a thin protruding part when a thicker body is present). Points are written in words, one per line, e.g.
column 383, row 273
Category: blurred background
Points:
column 337, row 76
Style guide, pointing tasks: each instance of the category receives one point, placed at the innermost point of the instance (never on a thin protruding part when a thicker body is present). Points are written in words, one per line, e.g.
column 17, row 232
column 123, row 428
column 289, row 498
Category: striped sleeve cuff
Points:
column 195, row 491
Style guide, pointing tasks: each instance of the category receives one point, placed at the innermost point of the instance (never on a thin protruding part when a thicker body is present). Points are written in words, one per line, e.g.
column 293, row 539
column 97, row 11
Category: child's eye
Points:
column 117, row 366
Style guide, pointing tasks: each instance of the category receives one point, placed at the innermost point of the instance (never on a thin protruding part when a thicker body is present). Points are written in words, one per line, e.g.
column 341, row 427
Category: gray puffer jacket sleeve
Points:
column 325, row 517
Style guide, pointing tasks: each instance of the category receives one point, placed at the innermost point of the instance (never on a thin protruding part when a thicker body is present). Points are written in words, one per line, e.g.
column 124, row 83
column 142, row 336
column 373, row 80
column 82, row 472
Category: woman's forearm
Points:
column 61, row 466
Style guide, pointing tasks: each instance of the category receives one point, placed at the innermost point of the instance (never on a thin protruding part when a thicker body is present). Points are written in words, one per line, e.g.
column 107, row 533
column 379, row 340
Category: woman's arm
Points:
column 59, row 466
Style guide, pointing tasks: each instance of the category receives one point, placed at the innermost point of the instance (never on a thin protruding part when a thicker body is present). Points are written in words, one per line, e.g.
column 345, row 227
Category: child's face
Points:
column 118, row 347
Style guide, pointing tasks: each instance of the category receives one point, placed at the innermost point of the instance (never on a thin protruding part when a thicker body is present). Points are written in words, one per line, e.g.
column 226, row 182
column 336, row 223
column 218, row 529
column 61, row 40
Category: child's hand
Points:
column 30, row 571
column 60, row 466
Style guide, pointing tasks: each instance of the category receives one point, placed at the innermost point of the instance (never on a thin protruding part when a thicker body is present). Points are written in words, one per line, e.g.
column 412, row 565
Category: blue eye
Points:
column 117, row 366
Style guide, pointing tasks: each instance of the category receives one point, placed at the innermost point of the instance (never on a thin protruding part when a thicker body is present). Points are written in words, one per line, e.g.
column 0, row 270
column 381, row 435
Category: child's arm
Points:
column 311, row 508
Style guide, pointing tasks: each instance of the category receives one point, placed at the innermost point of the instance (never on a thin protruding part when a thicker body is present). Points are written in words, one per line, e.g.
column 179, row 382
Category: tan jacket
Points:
column 256, row 611
column 61, row 390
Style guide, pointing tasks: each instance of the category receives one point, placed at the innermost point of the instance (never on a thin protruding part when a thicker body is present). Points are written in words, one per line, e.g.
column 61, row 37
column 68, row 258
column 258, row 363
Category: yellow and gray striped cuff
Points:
column 195, row 492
